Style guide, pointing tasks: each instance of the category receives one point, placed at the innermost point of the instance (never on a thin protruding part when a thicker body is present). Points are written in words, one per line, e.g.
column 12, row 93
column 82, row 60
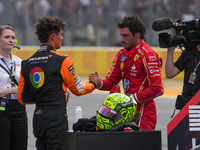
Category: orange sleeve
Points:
column 72, row 80
column 22, row 93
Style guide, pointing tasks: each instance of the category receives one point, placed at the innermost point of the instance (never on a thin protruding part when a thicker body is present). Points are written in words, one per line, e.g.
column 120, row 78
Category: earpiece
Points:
column 15, row 43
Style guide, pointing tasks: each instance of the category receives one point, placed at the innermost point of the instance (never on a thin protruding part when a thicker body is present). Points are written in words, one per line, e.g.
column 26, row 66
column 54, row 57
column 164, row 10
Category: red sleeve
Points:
column 72, row 80
column 107, row 84
column 114, row 75
column 153, row 66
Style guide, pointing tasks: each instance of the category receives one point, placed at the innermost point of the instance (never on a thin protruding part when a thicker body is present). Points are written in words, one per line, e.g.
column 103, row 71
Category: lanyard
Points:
column 9, row 69
column 10, row 73
column 197, row 64
column 193, row 75
column 196, row 67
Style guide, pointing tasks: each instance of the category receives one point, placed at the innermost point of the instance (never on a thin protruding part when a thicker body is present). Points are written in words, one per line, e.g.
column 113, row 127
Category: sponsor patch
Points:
column 71, row 68
column 153, row 63
column 136, row 57
column 38, row 58
column 76, row 78
column 79, row 85
column 82, row 88
column 152, row 58
column 126, row 84
column 123, row 58
column 152, row 71
column 133, row 67
column 133, row 74
column 36, row 77
column 152, row 67
column 122, row 65
column 74, row 72
column 78, row 81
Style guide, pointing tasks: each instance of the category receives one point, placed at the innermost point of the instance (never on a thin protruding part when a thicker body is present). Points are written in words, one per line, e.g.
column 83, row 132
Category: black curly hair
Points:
column 134, row 23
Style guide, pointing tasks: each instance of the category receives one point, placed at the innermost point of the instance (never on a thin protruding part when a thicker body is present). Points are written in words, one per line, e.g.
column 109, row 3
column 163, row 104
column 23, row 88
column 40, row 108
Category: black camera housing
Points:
column 187, row 35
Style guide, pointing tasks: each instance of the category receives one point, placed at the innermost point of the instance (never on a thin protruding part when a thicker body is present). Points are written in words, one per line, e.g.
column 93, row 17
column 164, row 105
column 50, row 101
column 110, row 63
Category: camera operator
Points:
column 188, row 61
column 187, row 38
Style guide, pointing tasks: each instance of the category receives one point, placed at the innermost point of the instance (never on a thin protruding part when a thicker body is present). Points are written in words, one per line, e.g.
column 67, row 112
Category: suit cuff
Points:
column 99, row 87
column 134, row 98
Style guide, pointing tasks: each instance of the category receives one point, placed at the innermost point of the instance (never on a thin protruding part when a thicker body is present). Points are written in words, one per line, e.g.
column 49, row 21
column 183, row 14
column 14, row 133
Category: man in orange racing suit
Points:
column 44, row 80
column 139, row 68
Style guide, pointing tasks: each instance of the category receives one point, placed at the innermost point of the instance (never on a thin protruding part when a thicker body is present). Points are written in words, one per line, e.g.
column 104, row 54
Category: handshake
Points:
column 95, row 78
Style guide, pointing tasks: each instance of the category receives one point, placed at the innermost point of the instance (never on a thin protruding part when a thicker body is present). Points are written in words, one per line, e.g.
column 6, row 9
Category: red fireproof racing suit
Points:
column 140, row 71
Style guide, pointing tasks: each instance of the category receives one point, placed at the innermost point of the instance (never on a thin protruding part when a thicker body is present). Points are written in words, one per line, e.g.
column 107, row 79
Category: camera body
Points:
column 187, row 35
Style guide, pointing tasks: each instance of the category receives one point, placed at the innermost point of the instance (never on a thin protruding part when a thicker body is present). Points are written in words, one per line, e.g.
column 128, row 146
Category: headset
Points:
column 15, row 45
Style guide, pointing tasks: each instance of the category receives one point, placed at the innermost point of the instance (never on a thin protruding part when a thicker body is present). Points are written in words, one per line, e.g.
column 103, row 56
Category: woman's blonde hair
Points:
column 3, row 27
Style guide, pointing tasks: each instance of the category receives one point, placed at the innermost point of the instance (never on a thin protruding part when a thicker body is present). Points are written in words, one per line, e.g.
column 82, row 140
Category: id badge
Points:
column 3, row 102
column 192, row 78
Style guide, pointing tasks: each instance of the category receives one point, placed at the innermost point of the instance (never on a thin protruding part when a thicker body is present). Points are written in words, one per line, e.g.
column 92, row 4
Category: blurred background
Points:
column 92, row 22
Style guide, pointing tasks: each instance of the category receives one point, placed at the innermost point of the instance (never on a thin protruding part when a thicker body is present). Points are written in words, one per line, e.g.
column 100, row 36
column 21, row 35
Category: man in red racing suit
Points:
column 139, row 68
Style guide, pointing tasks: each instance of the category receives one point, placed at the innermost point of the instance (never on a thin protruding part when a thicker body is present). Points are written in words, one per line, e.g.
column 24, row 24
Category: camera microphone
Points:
column 162, row 24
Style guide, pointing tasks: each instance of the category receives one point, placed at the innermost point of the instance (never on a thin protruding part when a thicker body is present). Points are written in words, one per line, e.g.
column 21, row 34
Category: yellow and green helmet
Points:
column 116, row 108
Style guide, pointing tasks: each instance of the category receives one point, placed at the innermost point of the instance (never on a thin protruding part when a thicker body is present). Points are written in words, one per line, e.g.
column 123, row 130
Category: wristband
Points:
column 94, row 84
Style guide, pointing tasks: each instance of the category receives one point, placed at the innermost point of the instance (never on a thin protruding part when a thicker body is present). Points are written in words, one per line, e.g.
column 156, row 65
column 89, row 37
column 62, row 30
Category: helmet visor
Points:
column 109, row 113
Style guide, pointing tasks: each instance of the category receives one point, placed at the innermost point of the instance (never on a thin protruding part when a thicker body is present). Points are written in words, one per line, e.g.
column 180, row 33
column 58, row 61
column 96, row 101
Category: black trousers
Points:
column 13, row 127
column 48, row 126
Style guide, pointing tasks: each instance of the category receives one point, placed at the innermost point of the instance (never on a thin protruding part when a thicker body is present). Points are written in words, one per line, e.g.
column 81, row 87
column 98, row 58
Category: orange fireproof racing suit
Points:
column 44, row 80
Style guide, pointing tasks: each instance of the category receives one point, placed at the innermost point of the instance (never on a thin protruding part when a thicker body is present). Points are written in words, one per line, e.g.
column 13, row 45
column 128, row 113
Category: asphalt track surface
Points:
column 91, row 102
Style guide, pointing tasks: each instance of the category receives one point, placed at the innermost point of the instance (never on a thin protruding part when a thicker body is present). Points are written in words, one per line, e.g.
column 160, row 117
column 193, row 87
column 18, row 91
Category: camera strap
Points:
column 177, row 105
column 173, row 113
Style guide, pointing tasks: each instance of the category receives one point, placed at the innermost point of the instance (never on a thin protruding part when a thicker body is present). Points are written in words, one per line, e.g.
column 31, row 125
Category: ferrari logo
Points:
column 136, row 57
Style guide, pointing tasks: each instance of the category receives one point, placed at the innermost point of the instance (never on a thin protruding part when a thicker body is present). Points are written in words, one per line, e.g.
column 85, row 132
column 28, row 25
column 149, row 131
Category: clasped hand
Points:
column 95, row 78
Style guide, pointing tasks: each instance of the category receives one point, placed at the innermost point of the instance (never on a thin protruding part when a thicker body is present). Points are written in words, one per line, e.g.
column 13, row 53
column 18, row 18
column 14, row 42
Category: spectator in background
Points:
column 19, row 14
column 1, row 11
column 84, row 12
column 41, row 8
column 105, row 13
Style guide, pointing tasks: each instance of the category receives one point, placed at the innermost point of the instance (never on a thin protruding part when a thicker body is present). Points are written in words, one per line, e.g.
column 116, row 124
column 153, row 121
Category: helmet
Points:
column 116, row 108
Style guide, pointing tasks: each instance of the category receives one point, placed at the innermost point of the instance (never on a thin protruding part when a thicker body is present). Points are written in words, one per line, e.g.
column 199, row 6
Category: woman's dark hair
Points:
column 48, row 25
column 134, row 23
